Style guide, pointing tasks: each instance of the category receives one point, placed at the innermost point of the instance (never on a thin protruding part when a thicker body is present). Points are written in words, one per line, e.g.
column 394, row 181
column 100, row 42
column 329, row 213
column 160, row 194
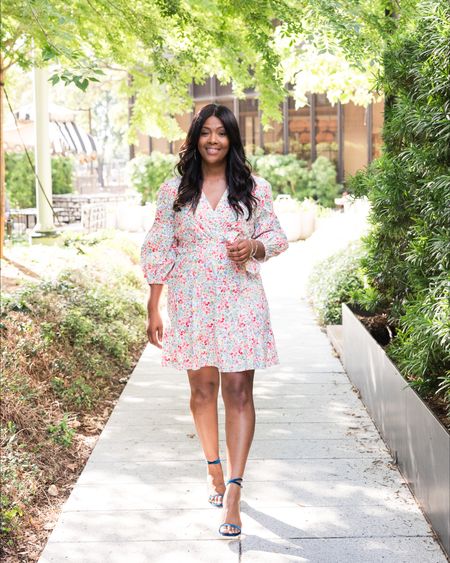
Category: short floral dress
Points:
column 218, row 310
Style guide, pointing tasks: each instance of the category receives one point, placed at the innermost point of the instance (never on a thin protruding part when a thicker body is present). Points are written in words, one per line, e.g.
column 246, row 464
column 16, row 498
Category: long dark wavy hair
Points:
column 238, row 170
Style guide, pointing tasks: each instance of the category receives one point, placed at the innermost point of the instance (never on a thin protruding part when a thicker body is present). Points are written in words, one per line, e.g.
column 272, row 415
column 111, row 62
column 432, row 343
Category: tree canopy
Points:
column 165, row 44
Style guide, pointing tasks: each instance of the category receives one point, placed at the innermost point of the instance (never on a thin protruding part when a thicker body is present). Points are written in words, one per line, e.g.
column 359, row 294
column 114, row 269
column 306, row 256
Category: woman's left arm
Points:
column 267, row 226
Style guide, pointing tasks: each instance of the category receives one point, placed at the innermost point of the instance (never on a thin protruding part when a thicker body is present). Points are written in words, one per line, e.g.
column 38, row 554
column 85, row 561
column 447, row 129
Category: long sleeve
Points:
column 158, row 249
column 267, row 226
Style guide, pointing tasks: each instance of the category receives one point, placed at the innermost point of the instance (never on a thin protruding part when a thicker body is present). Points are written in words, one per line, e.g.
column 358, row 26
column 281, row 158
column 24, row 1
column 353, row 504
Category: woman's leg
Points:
column 237, row 393
column 204, row 384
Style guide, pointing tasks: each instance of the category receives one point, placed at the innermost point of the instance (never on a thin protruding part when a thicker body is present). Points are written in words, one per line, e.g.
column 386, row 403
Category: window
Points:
column 228, row 103
column 355, row 138
column 299, row 130
column 203, row 90
column 377, row 127
column 326, row 129
column 223, row 89
column 249, row 124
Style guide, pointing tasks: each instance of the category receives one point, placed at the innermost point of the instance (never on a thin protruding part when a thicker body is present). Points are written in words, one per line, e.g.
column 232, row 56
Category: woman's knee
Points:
column 237, row 393
column 203, row 394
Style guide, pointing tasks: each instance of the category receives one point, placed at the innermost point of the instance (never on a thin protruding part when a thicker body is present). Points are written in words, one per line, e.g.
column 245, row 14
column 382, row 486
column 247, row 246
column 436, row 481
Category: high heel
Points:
column 235, row 481
column 211, row 498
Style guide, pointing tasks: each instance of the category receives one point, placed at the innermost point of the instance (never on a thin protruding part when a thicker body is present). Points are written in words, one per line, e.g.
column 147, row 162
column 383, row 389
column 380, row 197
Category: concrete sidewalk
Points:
column 319, row 486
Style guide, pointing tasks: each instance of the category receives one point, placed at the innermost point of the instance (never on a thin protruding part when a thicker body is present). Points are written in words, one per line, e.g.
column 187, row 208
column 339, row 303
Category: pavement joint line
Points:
column 201, row 482
column 260, row 507
column 255, row 440
column 249, row 459
column 223, row 412
column 277, row 539
column 198, row 460
column 275, row 438
column 323, row 394
column 272, row 539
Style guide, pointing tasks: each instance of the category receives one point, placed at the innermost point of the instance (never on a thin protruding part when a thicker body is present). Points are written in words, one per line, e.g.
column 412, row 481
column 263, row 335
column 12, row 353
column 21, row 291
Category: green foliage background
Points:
column 338, row 279
column 290, row 175
column 148, row 172
column 21, row 183
column 286, row 173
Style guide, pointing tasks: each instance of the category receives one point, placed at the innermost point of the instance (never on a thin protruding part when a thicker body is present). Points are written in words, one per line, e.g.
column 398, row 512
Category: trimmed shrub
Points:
column 21, row 182
column 147, row 172
column 290, row 175
column 339, row 279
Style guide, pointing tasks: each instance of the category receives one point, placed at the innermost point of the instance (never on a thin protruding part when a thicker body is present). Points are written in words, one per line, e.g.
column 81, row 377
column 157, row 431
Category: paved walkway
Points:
column 319, row 485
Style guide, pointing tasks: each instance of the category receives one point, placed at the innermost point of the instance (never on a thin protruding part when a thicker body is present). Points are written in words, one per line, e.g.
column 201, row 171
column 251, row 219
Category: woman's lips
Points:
column 212, row 151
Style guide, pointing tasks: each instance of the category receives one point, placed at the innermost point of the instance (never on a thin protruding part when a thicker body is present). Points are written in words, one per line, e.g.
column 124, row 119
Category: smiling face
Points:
column 213, row 143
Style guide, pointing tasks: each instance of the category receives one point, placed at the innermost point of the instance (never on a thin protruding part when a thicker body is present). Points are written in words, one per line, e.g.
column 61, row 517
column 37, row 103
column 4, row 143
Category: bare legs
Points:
column 237, row 394
column 204, row 384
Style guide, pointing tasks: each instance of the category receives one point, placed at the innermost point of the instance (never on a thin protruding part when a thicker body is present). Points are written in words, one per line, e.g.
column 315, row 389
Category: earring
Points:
column 195, row 154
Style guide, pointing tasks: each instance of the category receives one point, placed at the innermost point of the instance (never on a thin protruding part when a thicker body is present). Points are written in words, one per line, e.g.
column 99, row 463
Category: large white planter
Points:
column 148, row 215
column 296, row 222
column 290, row 223
column 129, row 218
column 307, row 223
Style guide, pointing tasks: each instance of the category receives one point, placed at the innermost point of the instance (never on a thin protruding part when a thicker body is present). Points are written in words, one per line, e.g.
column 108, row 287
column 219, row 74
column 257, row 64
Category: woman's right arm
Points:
column 158, row 249
column 155, row 328
column 158, row 258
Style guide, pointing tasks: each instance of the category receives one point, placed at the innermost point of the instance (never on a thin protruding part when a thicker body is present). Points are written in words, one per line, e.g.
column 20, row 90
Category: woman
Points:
column 213, row 226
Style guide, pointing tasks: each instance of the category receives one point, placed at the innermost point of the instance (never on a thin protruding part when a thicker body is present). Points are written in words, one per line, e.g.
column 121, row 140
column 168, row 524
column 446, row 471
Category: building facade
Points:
column 347, row 134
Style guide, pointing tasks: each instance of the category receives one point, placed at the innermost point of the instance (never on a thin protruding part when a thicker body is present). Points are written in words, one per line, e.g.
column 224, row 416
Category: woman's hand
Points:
column 155, row 329
column 239, row 250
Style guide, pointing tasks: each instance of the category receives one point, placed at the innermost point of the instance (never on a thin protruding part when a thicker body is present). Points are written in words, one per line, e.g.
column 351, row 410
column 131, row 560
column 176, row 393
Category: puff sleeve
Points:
column 267, row 226
column 158, row 251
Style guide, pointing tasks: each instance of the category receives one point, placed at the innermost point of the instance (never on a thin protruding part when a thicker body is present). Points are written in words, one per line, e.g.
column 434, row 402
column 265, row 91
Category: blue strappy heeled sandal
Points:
column 235, row 481
column 213, row 496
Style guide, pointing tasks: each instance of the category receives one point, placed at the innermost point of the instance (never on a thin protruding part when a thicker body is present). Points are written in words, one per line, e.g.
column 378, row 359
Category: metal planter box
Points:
column 418, row 441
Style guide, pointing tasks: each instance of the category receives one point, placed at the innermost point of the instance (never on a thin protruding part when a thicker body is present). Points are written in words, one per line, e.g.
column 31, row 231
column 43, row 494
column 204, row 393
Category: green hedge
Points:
column 338, row 279
column 21, row 183
column 148, row 172
column 408, row 257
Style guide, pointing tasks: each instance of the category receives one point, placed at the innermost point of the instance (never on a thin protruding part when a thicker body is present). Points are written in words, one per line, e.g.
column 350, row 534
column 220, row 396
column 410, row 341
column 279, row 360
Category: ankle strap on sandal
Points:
column 214, row 462
column 236, row 481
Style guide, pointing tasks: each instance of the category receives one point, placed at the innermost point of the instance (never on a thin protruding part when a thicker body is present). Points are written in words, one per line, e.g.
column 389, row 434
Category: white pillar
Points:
column 43, row 164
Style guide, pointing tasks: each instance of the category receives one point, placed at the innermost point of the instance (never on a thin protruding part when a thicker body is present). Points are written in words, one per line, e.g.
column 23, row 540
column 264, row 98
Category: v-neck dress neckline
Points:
column 218, row 203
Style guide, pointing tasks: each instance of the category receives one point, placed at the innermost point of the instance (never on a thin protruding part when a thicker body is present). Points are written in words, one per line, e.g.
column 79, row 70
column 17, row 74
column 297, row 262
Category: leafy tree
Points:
column 164, row 44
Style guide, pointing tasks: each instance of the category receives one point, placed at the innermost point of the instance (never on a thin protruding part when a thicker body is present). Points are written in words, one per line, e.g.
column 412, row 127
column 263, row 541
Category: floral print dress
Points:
column 218, row 310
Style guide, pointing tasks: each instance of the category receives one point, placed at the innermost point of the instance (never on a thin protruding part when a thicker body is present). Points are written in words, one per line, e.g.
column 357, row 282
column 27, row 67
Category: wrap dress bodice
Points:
column 218, row 311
